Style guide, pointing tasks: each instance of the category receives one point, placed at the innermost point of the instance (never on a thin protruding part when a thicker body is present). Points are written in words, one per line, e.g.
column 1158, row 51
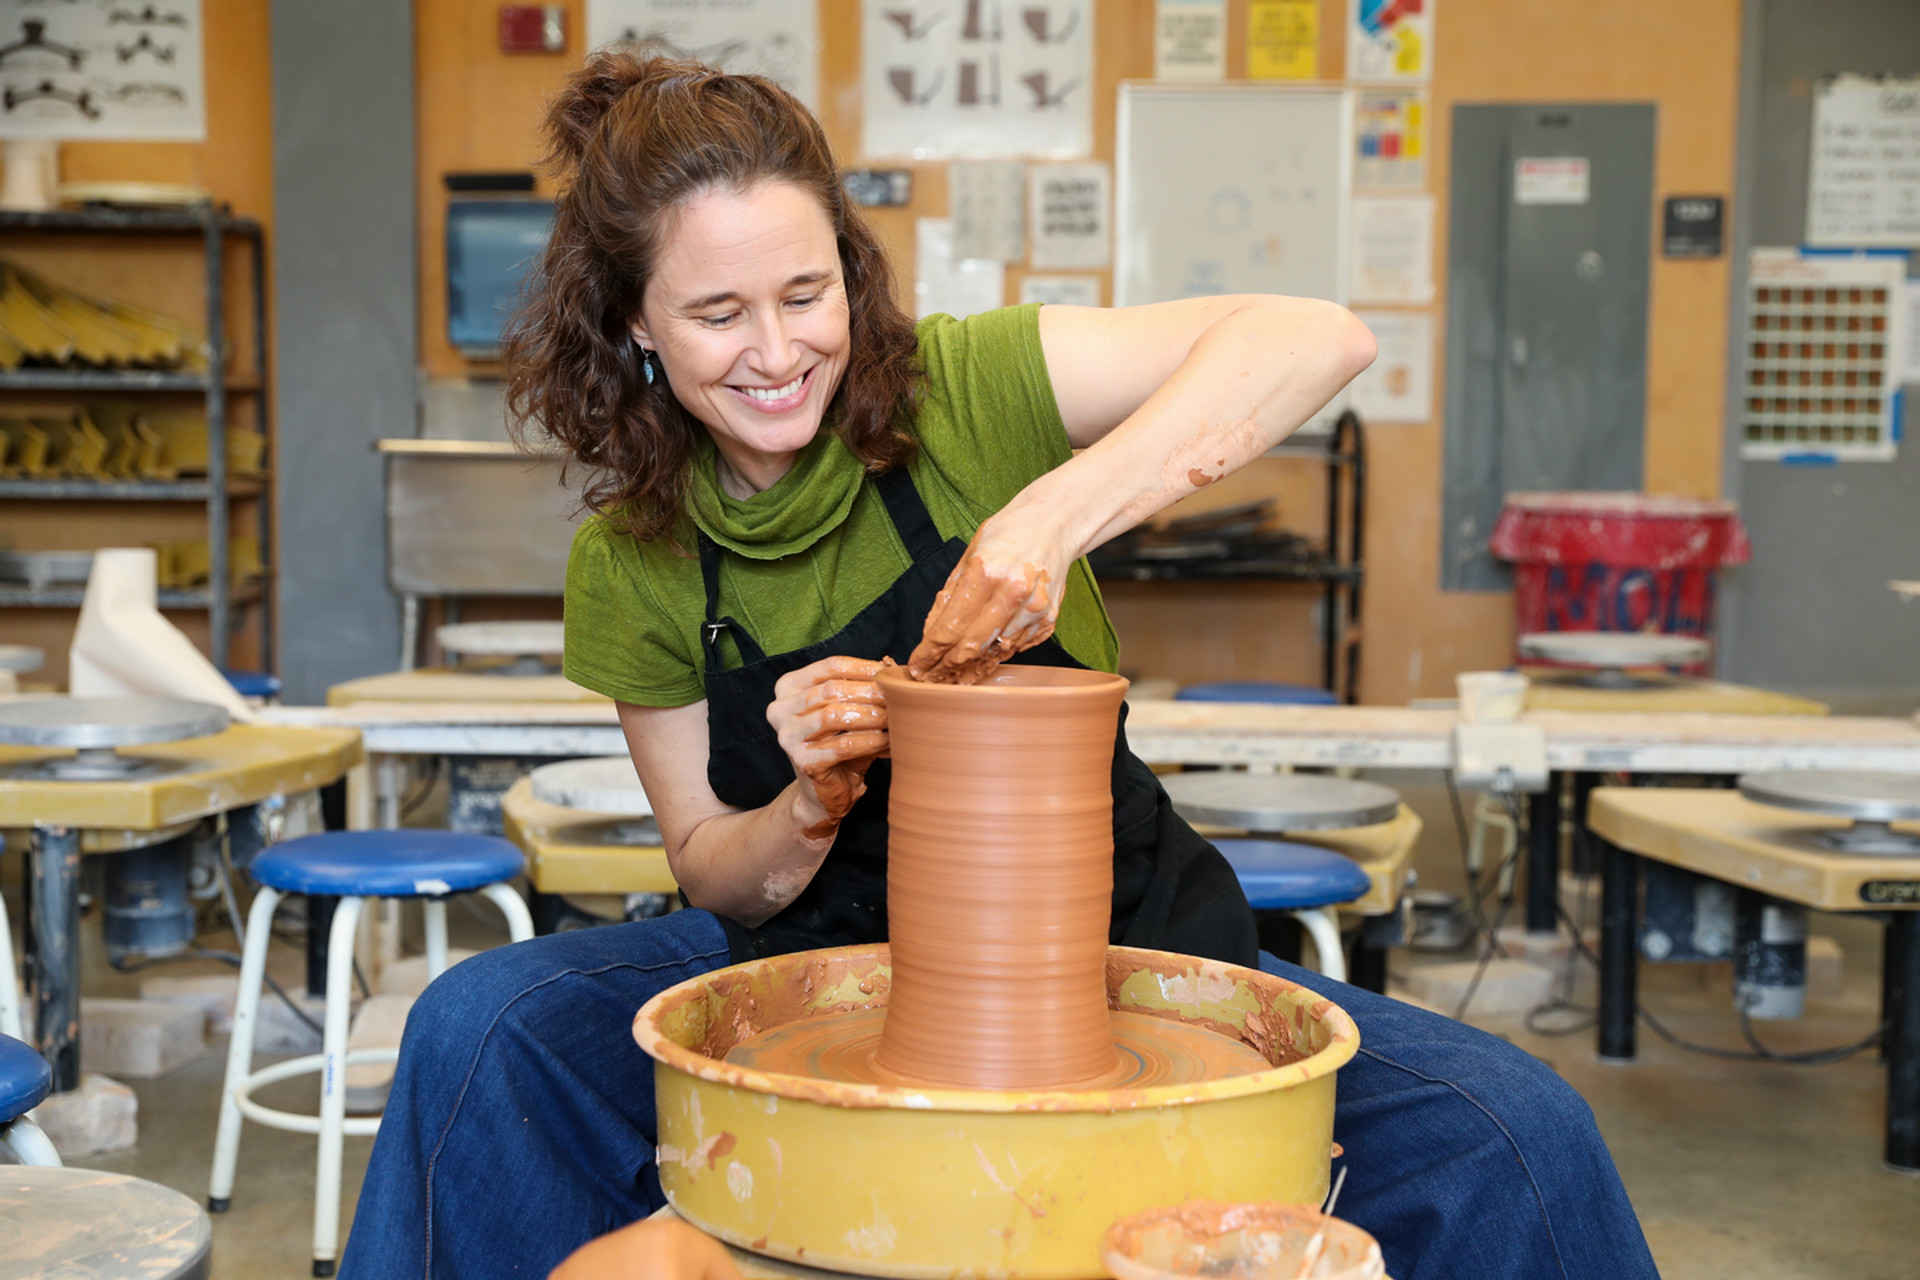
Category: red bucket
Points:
column 1617, row 561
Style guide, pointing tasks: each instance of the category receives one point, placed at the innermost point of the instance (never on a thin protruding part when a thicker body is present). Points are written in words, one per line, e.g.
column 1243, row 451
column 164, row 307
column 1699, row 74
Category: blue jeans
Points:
column 521, row 1125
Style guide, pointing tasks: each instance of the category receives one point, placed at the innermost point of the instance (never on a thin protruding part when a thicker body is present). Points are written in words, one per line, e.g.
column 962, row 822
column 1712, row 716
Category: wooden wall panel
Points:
column 480, row 108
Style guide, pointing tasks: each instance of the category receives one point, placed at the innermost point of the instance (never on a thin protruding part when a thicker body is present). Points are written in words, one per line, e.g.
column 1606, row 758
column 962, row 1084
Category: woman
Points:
column 792, row 482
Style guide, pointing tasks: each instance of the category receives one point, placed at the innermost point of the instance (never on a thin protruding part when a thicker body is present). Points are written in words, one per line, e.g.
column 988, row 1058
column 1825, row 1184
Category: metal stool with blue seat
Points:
column 1304, row 881
column 353, row 866
column 1258, row 691
column 25, row 1082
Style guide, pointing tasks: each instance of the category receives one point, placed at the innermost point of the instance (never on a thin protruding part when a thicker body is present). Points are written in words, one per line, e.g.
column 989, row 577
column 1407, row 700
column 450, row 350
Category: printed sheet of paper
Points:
column 102, row 69
column 1390, row 39
column 1398, row 385
column 1392, row 249
column 976, row 78
column 1069, row 291
column 1190, row 40
column 779, row 39
column 987, row 203
column 1283, row 39
column 1910, row 340
column 1390, row 139
column 1863, row 186
column 1070, row 215
column 958, row 286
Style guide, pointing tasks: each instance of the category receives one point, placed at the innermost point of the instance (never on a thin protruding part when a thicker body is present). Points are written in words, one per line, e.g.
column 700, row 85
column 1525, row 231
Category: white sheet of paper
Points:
column 1863, row 179
column 123, row 647
column 1066, row 291
column 1398, row 385
column 119, row 71
column 987, row 202
column 1071, row 215
column 1190, row 40
column 779, row 39
column 958, row 286
column 1392, row 249
column 1910, row 335
column 942, row 80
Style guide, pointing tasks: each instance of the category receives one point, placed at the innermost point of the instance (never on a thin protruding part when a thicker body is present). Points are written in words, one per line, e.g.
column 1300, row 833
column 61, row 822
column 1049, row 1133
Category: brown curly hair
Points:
column 633, row 138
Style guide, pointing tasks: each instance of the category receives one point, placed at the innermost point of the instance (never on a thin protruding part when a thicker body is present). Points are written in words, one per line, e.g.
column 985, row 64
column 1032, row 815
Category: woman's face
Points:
column 747, row 314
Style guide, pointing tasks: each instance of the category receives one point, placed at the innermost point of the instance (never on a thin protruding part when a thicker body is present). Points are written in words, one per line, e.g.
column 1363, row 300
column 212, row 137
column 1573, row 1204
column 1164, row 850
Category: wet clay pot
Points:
column 921, row 1182
column 1000, row 878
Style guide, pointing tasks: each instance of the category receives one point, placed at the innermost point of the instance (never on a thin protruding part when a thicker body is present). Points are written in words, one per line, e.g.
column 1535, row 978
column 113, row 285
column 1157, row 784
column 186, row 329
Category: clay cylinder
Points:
column 1000, row 878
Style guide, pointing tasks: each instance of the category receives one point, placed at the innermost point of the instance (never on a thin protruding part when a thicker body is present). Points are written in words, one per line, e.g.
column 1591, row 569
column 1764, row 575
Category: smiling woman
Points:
column 790, row 482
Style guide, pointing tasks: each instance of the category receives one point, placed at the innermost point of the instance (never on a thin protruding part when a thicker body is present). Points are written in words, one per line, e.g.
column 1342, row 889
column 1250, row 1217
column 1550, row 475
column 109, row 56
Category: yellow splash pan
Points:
column 936, row 1183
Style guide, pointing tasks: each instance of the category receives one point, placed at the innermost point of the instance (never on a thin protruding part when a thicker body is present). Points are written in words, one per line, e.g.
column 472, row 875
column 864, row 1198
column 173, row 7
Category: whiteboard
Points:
column 1864, row 179
column 1237, row 188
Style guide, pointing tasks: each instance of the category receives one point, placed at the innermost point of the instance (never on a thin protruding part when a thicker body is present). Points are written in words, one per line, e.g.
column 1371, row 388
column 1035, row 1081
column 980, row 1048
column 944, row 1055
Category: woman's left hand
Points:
column 1001, row 599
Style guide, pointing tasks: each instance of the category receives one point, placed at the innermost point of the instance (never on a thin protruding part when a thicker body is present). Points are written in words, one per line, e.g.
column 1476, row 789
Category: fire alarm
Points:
column 533, row 28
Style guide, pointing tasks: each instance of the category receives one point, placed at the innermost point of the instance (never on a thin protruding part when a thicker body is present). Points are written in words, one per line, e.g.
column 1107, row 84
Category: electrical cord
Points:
column 409, row 805
column 1500, row 917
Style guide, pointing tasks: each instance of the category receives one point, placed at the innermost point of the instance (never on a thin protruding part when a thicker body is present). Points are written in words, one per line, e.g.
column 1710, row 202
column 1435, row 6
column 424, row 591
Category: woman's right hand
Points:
column 832, row 722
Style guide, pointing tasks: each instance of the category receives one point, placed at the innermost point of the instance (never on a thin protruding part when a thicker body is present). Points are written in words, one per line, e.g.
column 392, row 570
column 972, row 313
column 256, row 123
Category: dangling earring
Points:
column 646, row 364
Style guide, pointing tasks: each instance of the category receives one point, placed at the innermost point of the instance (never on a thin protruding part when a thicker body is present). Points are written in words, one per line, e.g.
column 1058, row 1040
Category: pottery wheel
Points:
column 95, row 728
column 530, row 645
column 603, row 784
column 1280, row 801
column 20, row 657
column 1607, row 654
column 1906, row 590
column 1872, row 800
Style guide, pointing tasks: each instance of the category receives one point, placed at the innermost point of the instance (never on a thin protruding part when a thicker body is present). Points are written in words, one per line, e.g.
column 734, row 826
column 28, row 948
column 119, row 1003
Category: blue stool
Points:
column 25, row 1081
column 1257, row 691
column 1305, row 882
column 353, row 866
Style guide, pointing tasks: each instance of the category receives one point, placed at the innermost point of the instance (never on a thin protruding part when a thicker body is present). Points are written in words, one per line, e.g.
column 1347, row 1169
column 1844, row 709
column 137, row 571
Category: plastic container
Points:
column 1237, row 1242
column 1491, row 697
column 1617, row 561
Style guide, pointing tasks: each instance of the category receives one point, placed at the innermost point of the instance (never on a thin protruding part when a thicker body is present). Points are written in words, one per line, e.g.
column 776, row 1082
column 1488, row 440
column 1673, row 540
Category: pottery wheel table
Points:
column 1872, row 800
column 586, row 828
column 101, row 775
column 1272, row 803
column 82, row 1224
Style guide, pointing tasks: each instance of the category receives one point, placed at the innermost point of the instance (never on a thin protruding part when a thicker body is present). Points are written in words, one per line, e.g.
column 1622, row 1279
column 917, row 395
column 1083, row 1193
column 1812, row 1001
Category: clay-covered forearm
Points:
column 749, row 865
column 1250, row 380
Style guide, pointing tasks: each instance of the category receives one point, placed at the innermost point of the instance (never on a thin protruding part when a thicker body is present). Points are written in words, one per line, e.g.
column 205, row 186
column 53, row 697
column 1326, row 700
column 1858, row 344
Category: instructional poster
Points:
column 1392, row 249
column 960, row 287
column 1864, row 182
column 1190, row 40
column 1398, row 385
column 987, row 202
column 976, row 78
column 102, row 69
column 1390, row 40
column 1390, row 139
column 779, row 39
column 1070, row 215
column 1283, row 39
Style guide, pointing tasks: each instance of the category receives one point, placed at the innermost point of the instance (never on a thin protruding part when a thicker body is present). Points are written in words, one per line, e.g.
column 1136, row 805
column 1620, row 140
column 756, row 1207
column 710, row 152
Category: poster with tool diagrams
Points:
column 976, row 78
column 110, row 69
column 779, row 39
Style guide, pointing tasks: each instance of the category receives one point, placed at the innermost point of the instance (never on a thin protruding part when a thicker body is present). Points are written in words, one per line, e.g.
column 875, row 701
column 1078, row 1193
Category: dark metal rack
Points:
column 215, row 224
column 1339, row 568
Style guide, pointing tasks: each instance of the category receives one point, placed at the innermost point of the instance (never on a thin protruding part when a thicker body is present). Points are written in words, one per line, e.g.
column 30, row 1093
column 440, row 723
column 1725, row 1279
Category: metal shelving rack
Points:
column 215, row 224
column 1340, row 569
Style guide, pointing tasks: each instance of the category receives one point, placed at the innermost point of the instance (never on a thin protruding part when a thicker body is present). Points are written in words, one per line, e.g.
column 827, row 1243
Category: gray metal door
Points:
column 1548, row 260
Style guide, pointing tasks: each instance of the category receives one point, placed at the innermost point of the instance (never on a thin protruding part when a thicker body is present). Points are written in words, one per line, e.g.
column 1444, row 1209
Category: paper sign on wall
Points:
column 1390, row 40
column 102, row 70
column 1071, row 291
column 987, row 201
column 1190, row 40
column 1283, row 39
column 1398, row 385
column 1551, row 180
column 779, row 39
column 1390, row 138
column 958, row 286
column 1864, row 180
column 1392, row 249
column 977, row 78
column 1070, row 215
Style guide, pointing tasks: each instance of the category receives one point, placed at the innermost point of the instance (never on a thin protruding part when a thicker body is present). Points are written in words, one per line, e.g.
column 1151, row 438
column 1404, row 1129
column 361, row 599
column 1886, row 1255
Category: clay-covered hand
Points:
column 649, row 1250
column 832, row 721
column 1001, row 599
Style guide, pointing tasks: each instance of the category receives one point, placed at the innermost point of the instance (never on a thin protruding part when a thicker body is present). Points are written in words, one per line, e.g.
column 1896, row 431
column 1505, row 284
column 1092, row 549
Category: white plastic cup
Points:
column 1491, row 697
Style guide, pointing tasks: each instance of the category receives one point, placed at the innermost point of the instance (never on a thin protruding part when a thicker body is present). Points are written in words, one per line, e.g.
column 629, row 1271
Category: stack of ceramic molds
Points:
column 45, row 326
column 116, row 441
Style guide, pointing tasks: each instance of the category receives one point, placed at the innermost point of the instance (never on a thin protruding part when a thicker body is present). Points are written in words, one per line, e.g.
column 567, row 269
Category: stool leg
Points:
column 29, row 1143
column 333, row 1085
column 246, row 1008
column 1323, row 926
column 513, row 907
column 435, row 912
column 9, row 985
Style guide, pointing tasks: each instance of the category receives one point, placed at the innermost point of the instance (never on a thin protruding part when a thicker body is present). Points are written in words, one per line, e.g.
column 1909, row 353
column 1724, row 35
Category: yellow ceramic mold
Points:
column 924, row 1183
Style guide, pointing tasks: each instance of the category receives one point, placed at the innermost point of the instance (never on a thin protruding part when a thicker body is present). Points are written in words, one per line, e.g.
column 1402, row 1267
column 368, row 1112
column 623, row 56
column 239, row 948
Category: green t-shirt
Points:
column 801, row 559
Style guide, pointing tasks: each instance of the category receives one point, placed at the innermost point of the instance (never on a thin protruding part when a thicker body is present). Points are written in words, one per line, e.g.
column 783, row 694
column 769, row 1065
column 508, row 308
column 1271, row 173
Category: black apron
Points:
column 1172, row 891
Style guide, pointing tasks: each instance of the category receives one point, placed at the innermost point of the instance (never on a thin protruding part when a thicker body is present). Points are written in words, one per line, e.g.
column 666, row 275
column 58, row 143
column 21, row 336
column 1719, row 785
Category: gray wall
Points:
column 1812, row 611
column 346, row 328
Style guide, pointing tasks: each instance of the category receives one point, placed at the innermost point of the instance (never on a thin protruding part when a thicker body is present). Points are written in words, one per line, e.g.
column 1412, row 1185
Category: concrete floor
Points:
column 1757, row 1170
